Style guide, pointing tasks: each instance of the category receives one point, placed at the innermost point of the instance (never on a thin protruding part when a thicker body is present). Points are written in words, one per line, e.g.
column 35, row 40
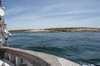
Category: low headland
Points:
column 54, row 30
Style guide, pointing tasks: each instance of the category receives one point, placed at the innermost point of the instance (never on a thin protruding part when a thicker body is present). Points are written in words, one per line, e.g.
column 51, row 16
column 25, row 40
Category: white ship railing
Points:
column 31, row 58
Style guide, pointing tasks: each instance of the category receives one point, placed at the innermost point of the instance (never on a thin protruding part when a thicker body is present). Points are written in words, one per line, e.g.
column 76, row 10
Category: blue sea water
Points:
column 80, row 47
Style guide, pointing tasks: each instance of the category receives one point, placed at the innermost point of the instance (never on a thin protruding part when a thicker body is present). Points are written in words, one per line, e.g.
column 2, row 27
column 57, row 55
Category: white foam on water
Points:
column 65, row 62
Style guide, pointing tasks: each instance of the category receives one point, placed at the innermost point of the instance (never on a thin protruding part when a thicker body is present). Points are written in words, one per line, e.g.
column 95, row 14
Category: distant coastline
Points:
column 54, row 30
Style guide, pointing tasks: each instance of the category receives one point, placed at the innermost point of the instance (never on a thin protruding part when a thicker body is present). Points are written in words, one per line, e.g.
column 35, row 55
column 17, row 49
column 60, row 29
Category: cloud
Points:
column 54, row 23
column 52, row 7
column 54, row 13
column 15, row 10
column 69, row 14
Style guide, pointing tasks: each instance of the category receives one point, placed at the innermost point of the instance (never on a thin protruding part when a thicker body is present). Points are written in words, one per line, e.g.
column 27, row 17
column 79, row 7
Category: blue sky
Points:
column 36, row 14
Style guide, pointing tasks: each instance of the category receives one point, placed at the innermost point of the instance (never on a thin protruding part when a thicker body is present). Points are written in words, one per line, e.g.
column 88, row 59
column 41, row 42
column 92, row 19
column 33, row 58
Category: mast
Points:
column 3, row 26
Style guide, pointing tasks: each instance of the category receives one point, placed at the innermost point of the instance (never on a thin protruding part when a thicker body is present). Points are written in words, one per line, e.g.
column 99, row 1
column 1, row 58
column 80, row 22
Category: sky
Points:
column 40, row 14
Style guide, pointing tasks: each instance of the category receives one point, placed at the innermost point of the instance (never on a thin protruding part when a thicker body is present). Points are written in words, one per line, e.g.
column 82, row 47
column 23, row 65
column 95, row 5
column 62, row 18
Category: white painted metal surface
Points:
column 5, row 62
column 32, row 58
column 1, row 12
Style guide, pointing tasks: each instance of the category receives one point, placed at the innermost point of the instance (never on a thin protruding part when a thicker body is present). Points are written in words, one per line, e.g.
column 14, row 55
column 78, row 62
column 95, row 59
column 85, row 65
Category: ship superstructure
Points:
column 3, row 26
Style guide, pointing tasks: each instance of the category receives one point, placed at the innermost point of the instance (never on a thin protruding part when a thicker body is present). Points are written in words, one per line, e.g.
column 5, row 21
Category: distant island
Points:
column 54, row 30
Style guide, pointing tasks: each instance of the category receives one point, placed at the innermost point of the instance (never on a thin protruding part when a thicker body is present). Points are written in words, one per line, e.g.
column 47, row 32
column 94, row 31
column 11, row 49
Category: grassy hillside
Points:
column 80, row 29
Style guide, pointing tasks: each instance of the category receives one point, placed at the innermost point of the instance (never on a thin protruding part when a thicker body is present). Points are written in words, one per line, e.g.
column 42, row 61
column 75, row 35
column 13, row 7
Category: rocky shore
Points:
column 53, row 30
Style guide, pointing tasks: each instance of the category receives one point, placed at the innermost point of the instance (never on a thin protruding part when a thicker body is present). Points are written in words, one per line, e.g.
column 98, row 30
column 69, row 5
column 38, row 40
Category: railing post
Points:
column 1, row 54
column 13, row 59
column 9, row 56
column 18, row 61
column 1, row 43
column 6, row 56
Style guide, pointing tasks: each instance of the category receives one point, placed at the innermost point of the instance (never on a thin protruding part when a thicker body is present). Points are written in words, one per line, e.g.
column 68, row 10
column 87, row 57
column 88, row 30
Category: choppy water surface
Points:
column 81, row 47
